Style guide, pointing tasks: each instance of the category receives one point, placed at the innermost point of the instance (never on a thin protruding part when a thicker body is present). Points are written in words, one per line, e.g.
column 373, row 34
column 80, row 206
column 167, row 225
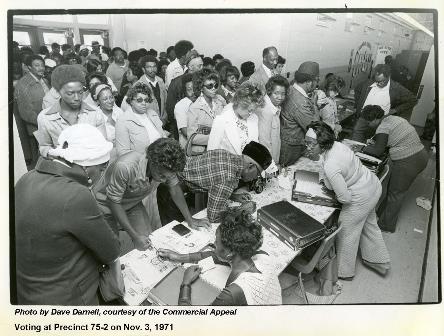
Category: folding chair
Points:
column 305, row 267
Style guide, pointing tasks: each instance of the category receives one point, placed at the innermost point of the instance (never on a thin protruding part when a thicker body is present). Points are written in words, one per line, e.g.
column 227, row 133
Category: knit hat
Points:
column 309, row 68
column 258, row 153
column 66, row 74
column 84, row 145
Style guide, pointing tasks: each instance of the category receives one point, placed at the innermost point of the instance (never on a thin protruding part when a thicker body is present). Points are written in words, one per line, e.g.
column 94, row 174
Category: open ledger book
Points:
column 144, row 270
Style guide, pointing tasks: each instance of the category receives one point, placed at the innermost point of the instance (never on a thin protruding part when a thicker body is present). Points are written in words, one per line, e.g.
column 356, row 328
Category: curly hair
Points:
column 247, row 68
column 166, row 153
column 227, row 72
column 324, row 134
column 201, row 76
column 372, row 112
column 138, row 88
column 274, row 81
column 248, row 94
column 240, row 233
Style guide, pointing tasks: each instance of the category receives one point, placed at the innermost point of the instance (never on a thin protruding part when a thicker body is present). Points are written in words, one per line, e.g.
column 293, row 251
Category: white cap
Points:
column 310, row 133
column 50, row 63
column 83, row 46
column 84, row 145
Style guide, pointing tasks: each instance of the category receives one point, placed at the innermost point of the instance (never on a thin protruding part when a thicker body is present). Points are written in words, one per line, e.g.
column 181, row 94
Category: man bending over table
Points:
column 218, row 172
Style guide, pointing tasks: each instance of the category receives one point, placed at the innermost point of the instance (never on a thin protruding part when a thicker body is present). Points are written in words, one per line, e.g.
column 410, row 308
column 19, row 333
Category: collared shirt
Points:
column 153, row 83
column 300, row 89
column 218, row 172
column 229, row 94
column 274, row 109
column 110, row 123
column 181, row 115
column 51, row 124
column 174, row 69
column 42, row 82
column 125, row 182
column 267, row 70
column 379, row 96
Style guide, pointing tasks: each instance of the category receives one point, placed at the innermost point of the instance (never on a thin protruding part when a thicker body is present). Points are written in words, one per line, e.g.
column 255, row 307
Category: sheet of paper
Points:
column 142, row 271
column 206, row 264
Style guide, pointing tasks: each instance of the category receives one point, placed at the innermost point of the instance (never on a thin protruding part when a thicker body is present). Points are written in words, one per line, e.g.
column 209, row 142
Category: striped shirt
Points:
column 403, row 141
column 217, row 172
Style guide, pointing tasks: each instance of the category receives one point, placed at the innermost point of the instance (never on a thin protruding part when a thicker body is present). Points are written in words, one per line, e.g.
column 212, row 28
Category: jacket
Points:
column 270, row 128
column 259, row 77
column 29, row 96
column 297, row 113
column 225, row 135
column 132, row 135
column 199, row 115
column 401, row 99
column 174, row 95
column 51, row 124
column 61, row 237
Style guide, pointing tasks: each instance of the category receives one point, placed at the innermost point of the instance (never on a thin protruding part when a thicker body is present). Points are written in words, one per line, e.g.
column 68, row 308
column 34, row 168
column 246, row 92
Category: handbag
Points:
column 111, row 283
column 190, row 149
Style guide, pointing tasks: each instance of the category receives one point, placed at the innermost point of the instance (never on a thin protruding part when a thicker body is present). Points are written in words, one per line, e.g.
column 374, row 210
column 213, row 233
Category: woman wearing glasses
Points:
column 238, row 123
column 139, row 126
column 203, row 111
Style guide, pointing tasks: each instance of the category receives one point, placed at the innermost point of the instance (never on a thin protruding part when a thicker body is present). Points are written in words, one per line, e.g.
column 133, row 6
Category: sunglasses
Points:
column 211, row 86
column 141, row 100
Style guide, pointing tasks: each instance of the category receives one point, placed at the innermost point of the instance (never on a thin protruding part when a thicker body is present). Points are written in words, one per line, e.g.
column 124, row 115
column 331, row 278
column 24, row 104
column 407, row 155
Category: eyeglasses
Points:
column 141, row 100
column 211, row 86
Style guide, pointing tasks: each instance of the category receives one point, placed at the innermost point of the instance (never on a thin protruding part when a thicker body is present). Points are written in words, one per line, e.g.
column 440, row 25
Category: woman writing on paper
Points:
column 251, row 280
column 358, row 190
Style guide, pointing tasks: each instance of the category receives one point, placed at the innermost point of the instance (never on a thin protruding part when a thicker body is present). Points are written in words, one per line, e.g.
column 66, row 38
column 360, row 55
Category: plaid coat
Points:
column 218, row 172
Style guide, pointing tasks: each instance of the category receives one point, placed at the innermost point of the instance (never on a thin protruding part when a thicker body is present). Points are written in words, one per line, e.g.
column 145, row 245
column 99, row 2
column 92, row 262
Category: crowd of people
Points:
column 115, row 140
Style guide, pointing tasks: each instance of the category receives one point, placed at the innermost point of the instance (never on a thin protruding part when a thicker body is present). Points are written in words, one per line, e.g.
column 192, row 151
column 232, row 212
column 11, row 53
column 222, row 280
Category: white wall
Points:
column 241, row 37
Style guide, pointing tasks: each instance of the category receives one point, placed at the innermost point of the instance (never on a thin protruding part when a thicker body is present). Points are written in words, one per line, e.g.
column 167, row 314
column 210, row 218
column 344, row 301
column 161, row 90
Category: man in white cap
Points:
column 61, row 237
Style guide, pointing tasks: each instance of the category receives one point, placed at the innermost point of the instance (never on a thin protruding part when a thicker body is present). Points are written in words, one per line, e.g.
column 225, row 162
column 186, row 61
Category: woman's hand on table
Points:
column 142, row 243
column 191, row 274
column 169, row 255
column 197, row 223
column 240, row 197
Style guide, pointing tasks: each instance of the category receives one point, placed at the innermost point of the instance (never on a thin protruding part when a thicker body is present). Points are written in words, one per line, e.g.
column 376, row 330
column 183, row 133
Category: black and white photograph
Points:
column 210, row 162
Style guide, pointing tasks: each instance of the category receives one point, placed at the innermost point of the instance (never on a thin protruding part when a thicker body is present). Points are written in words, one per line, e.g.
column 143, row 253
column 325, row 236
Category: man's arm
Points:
column 218, row 196
column 178, row 198
column 305, row 114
